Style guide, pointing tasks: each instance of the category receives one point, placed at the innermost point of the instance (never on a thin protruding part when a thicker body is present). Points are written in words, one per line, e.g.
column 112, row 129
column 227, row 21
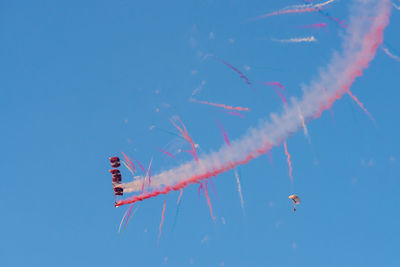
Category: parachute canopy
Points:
column 116, row 176
column 296, row 199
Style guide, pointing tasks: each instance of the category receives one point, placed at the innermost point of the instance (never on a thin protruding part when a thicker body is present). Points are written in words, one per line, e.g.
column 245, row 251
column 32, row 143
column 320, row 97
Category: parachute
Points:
column 116, row 176
column 296, row 200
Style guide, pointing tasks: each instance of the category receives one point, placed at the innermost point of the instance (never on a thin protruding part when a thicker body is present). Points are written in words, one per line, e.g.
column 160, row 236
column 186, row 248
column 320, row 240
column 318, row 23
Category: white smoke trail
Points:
column 364, row 35
column 396, row 6
column 296, row 40
column 305, row 130
column 296, row 9
column 239, row 190
column 387, row 52
column 323, row 4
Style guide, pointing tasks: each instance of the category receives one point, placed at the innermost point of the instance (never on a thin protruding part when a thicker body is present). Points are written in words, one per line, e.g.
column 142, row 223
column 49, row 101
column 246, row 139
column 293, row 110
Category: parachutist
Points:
column 296, row 200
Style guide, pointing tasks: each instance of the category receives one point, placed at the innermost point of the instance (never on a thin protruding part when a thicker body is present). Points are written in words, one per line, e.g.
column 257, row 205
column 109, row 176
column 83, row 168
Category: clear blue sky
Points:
column 83, row 80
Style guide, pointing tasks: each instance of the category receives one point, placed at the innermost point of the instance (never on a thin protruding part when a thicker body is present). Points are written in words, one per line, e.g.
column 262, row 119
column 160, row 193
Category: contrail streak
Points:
column 363, row 37
column 166, row 152
column 288, row 161
column 281, row 87
column 296, row 9
column 239, row 190
column 303, row 124
column 219, row 105
column 242, row 76
column 390, row 54
column 162, row 221
column 296, row 40
column 224, row 134
column 209, row 202
column 360, row 104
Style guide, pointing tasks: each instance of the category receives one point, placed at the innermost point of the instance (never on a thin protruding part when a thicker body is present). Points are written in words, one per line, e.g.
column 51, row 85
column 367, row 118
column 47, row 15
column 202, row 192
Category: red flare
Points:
column 128, row 160
column 166, row 152
column 224, row 133
column 234, row 69
column 276, row 84
column 140, row 165
column 209, row 203
column 288, row 160
column 281, row 87
column 162, row 220
column 220, row 105
column 360, row 104
column 129, row 214
column 179, row 198
column 199, row 189
column 289, row 11
column 213, row 187
column 187, row 137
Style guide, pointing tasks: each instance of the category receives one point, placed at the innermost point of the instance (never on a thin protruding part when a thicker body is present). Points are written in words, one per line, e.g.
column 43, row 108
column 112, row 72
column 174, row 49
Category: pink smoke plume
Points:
column 364, row 35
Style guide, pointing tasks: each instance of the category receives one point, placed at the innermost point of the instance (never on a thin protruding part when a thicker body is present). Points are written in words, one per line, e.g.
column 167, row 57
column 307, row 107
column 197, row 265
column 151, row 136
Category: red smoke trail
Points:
column 360, row 104
column 220, row 105
column 213, row 187
column 326, row 14
column 123, row 218
column 179, row 198
column 276, row 84
column 199, row 189
column 128, row 218
column 187, row 137
column 356, row 70
column 140, row 165
column 224, row 133
column 209, row 203
column 129, row 214
column 289, row 11
column 196, row 178
column 129, row 161
column 315, row 25
column 281, row 87
column 166, row 152
column 162, row 220
column 289, row 162
column 234, row 114
column 352, row 68
column 127, row 166
column 235, row 69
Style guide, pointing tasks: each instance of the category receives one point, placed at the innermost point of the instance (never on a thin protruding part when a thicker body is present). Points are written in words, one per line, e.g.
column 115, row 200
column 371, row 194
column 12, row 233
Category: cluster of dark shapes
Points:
column 116, row 176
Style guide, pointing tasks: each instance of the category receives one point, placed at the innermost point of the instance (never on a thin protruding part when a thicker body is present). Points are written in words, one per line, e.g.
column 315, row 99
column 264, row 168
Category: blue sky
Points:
column 85, row 80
